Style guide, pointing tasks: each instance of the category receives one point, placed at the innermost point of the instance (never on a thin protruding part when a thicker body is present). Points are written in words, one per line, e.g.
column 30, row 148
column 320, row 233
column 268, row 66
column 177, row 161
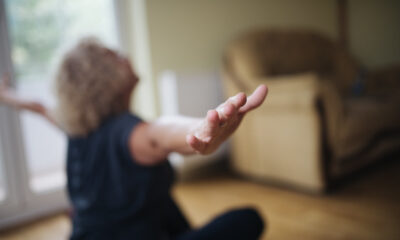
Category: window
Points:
column 40, row 32
column 34, row 34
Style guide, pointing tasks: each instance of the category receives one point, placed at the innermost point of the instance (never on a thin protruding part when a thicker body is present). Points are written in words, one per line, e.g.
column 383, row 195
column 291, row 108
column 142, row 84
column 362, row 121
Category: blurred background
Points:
column 320, row 158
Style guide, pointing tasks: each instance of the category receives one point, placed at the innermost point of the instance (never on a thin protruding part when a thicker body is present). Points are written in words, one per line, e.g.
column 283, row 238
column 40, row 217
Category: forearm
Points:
column 169, row 133
column 11, row 99
column 150, row 143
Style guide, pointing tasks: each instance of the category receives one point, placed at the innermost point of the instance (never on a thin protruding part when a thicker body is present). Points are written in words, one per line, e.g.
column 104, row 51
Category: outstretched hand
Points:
column 9, row 97
column 221, row 122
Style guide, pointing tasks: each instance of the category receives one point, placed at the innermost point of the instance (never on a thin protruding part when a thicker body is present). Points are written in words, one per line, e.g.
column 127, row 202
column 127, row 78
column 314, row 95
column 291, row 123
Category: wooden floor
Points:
column 366, row 208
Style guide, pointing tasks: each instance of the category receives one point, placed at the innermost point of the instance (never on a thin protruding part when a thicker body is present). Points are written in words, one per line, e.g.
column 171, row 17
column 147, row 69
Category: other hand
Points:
column 9, row 97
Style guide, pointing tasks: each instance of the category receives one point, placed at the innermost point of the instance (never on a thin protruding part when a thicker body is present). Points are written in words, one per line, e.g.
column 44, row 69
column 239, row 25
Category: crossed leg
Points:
column 238, row 224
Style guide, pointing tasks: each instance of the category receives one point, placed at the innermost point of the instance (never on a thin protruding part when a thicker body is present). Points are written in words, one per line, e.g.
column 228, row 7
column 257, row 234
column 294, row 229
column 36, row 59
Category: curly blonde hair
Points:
column 90, row 86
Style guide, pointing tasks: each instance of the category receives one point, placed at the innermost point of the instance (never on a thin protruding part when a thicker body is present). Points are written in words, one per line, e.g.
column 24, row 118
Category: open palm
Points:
column 221, row 122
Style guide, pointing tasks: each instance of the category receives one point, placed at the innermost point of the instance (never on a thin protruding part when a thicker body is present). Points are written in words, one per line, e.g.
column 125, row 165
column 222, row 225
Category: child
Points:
column 118, row 177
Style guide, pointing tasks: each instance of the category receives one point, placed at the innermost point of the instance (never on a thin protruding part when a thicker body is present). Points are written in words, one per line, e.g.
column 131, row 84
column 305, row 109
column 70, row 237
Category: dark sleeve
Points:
column 125, row 126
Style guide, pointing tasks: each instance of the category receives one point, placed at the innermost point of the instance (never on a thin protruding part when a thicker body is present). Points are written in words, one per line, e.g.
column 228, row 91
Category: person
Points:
column 119, row 179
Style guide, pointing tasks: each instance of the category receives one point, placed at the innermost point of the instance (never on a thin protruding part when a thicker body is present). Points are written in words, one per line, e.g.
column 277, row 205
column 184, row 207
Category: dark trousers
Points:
column 169, row 223
column 240, row 224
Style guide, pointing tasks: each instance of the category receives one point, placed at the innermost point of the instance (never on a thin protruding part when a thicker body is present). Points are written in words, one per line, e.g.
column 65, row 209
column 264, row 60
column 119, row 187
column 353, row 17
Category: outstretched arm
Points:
column 9, row 97
column 150, row 143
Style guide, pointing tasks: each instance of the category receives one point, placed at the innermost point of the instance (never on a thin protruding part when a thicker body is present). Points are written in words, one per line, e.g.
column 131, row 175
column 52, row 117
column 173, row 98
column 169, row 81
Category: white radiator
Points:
column 191, row 95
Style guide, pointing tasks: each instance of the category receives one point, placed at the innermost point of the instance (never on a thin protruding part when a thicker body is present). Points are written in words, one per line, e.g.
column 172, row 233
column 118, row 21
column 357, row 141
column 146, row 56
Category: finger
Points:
column 226, row 111
column 239, row 100
column 195, row 143
column 255, row 99
column 212, row 120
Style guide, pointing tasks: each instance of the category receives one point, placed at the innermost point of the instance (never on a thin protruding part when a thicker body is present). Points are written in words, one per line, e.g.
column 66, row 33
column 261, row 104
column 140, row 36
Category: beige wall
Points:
column 189, row 35
column 375, row 31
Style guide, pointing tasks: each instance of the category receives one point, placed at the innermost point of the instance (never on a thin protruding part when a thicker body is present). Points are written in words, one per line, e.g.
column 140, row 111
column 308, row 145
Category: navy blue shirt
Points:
column 107, row 188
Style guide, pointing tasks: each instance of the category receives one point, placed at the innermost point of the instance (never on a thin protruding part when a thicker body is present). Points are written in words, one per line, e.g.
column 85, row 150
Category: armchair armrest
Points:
column 334, row 112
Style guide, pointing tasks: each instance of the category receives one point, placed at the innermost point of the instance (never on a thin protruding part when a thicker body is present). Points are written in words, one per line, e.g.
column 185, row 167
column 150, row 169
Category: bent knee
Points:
column 252, row 218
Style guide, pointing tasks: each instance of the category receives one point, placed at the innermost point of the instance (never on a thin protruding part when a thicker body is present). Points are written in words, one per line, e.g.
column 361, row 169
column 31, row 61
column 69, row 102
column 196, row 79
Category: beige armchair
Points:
column 310, row 131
